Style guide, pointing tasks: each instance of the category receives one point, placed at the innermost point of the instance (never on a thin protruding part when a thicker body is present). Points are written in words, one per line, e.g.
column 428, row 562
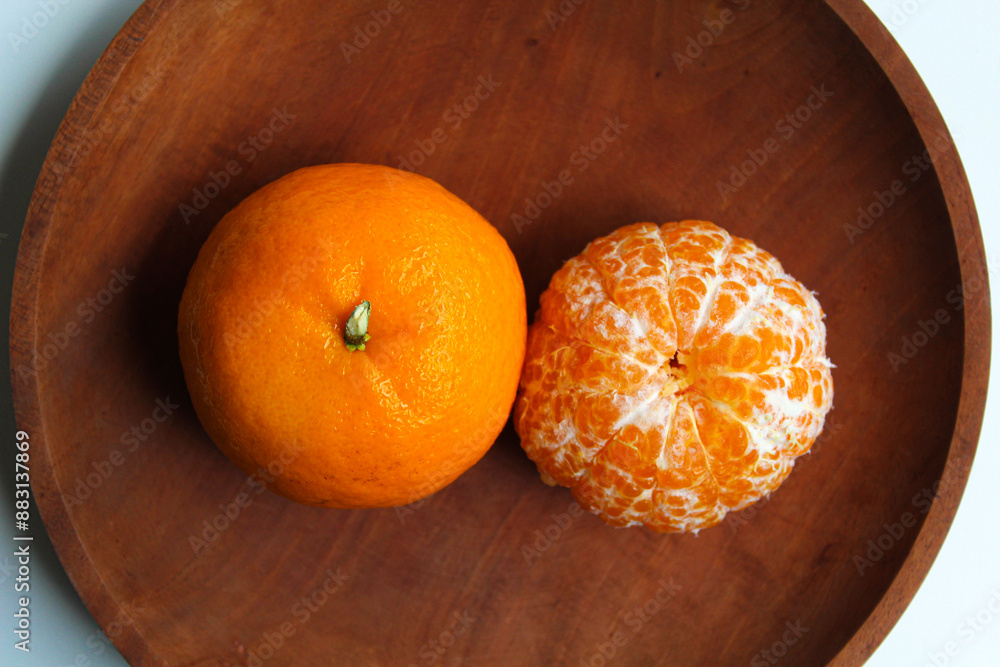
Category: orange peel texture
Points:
column 673, row 374
column 263, row 328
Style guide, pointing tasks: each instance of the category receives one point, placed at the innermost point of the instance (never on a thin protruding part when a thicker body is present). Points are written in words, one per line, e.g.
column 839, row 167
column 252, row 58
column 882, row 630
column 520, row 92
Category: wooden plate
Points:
column 797, row 124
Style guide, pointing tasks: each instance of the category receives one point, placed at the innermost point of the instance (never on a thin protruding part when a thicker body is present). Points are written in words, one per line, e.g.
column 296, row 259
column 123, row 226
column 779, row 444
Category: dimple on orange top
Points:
column 673, row 374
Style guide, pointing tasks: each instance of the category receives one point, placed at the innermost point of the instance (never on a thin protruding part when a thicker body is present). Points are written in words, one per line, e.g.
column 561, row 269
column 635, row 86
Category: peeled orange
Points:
column 674, row 373
column 354, row 334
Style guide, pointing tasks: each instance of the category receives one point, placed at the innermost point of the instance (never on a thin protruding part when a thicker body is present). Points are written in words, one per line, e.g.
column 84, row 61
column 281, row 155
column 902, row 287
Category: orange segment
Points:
column 630, row 264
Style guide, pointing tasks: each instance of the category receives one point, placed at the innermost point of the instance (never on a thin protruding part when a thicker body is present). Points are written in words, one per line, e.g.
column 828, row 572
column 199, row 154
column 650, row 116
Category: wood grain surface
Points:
column 782, row 121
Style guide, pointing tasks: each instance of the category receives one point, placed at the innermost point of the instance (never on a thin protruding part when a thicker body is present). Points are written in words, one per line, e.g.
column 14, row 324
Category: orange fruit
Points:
column 673, row 374
column 262, row 328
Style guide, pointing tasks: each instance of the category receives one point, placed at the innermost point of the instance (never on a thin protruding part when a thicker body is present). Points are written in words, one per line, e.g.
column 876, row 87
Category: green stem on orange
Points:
column 356, row 331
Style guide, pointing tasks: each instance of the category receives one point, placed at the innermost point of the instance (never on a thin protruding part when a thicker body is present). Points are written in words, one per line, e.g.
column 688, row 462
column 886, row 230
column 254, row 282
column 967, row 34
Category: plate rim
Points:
column 954, row 183
column 903, row 77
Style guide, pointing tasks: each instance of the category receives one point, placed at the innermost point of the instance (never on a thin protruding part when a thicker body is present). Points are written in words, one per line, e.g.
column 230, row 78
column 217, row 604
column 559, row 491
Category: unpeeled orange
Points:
column 355, row 334
column 673, row 374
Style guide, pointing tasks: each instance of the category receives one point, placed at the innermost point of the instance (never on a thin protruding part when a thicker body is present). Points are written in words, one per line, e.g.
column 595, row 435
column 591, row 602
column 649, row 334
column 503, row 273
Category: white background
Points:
column 953, row 44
